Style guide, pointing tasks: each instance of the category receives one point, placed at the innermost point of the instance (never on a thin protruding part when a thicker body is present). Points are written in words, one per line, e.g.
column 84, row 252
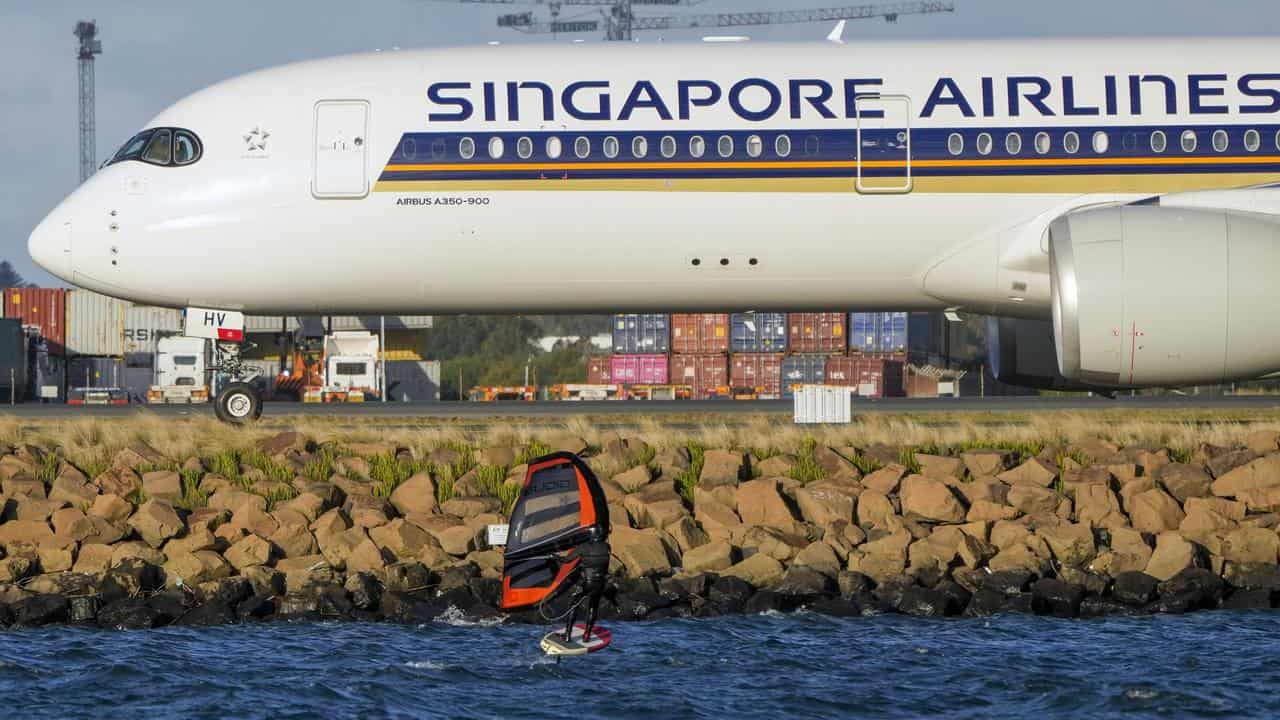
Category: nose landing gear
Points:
column 237, row 402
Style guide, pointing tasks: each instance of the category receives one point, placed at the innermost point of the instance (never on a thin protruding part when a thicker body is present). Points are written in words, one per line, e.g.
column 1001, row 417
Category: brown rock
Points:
column 1019, row 557
column 940, row 467
column 710, row 558
column 135, row 550
column 366, row 557
column 982, row 488
column 655, row 506
column 985, row 463
column 280, row 443
column 633, row 479
column 137, row 454
column 402, row 539
column 759, row 571
column 236, row 500
column 834, row 465
column 928, row 499
column 195, row 540
column 776, row 466
column 458, row 540
column 821, row 557
column 885, row 480
column 1185, row 481
column 1097, row 506
column 65, row 520
column 1032, row 473
column 118, row 481
column 331, row 522
column 73, row 490
column 93, row 560
column 711, row 513
column 824, row 502
column 1259, row 473
column 112, row 508
column 774, row 542
column 195, row 568
column 38, row 509
column 875, row 510
column 1032, row 499
column 930, row 555
column 686, row 533
column 1263, row 499
column 722, row 467
column 986, row 511
column 468, row 507
column 760, row 503
column 1155, row 512
column 294, row 540
column 163, row 485
column 33, row 532
column 337, row 547
column 641, row 552
column 1071, row 544
column 1173, row 554
column 1263, row 442
column 415, row 495
column 251, row 550
column 56, row 559
column 1248, row 545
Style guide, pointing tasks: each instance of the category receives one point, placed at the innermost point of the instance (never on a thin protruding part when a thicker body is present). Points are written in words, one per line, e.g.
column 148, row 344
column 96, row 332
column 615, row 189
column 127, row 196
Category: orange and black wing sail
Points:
column 560, row 507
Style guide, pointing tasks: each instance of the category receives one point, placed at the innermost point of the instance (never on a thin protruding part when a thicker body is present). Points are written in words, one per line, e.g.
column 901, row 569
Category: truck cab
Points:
column 182, row 365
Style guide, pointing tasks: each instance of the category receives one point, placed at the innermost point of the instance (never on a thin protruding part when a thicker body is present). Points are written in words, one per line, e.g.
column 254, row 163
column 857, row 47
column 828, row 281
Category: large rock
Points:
column 875, row 510
column 641, row 552
column 1097, row 506
column 1154, row 511
column 415, row 495
column 1032, row 473
column 885, row 480
column 73, row 490
column 366, row 557
column 251, row 550
column 196, row 539
column 632, row 480
column 1072, row 545
column 402, row 539
column 1249, row 546
column 821, row 557
column 655, row 506
column 1032, row 499
column 1263, row 472
column 940, row 467
column 759, row 570
column 988, row 511
column 760, row 503
column 722, row 467
column 337, row 547
column 93, row 560
column 984, row 463
column 25, row 531
column 1185, row 481
column 710, row 558
column 1262, row 500
column 162, row 484
column 686, row 533
column 194, row 568
column 112, row 508
column 825, row 502
column 929, row 499
column 1173, row 554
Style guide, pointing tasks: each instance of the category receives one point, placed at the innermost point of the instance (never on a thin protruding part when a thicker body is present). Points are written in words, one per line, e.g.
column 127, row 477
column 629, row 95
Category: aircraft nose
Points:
column 50, row 247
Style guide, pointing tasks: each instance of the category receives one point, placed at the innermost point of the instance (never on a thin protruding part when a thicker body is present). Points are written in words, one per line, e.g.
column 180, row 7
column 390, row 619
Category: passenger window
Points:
column 782, row 146
column 698, row 146
column 524, row 148
column 1252, row 140
column 611, row 147
column 1221, row 141
column 438, row 149
column 186, row 149
column 1278, row 140
column 497, row 148
column 725, row 146
column 1189, row 141
column 985, row 143
column 1071, row 142
column 1101, row 142
column 955, row 144
column 1043, row 143
column 554, row 148
column 160, row 150
column 1129, row 142
column 1159, row 143
column 467, row 148
column 755, row 146
column 639, row 147
column 409, row 149
column 668, row 147
column 1013, row 143
column 582, row 148
column 812, row 146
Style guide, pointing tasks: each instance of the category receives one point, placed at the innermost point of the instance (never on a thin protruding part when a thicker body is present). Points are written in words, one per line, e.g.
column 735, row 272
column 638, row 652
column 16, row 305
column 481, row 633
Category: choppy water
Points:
column 1206, row 665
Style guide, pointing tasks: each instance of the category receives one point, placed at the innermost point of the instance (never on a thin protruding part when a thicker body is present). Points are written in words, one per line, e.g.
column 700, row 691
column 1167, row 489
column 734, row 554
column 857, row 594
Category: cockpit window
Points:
column 160, row 150
column 165, row 147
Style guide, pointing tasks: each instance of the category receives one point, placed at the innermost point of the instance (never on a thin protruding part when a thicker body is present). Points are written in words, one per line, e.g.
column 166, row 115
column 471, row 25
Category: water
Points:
column 802, row 666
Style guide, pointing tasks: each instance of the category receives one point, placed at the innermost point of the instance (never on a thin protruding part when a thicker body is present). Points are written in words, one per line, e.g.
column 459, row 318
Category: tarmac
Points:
column 725, row 409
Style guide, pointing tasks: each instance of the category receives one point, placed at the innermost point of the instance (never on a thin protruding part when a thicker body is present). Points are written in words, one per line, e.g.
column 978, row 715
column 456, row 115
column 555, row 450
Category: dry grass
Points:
column 89, row 442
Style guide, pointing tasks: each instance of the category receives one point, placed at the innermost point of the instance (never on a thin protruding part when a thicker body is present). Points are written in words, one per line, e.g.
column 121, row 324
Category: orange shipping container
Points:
column 704, row 373
column 762, row 371
column 700, row 333
column 817, row 332
column 872, row 376
column 598, row 371
column 41, row 308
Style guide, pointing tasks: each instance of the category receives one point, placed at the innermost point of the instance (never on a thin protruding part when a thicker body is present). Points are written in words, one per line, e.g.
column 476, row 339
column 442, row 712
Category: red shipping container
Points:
column 700, row 333
column 873, row 377
column 757, row 370
column 704, row 373
column 638, row 369
column 598, row 371
column 41, row 308
column 817, row 332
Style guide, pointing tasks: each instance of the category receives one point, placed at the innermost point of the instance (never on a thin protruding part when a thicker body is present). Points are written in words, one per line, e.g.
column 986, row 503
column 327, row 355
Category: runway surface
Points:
column 711, row 409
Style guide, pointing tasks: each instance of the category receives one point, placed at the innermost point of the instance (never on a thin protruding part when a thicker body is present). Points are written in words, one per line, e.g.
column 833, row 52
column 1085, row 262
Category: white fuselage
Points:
column 918, row 175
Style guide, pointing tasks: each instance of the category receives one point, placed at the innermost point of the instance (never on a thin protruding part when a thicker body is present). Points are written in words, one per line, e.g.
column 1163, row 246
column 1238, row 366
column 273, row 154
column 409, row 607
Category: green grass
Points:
column 95, row 464
column 806, row 469
column 444, row 485
column 1025, row 450
column 226, row 464
column 47, row 470
column 508, row 493
column 387, row 473
column 764, row 453
column 192, row 497
column 687, row 480
column 490, row 479
column 137, row 497
column 1182, row 455
column 531, row 452
column 466, row 461
column 281, row 494
column 866, row 465
column 907, row 459
column 274, row 471
column 320, row 467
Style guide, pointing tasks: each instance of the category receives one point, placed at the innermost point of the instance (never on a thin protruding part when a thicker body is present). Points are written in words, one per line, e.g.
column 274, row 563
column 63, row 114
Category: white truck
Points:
column 352, row 371
column 182, row 365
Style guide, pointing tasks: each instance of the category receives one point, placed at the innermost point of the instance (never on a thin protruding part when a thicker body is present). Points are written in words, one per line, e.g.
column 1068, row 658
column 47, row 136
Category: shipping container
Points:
column 13, row 361
column 817, row 333
column 144, row 326
column 639, row 369
column 704, row 373
column 758, row 332
column 641, row 334
column 139, row 375
column 42, row 310
column 700, row 333
column 872, row 376
column 802, row 370
column 599, row 371
column 878, row 332
column 759, row 371
column 48, row 376
column 95, row 324
column 85, row 371
column 413, row 382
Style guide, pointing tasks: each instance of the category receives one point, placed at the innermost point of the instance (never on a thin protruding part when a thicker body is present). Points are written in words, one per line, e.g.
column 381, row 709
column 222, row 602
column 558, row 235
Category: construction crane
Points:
column 619, row 20
column 87, row 32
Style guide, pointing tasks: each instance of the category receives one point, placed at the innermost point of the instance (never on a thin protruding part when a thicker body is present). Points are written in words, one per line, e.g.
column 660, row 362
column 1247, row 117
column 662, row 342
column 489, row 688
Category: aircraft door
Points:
column 884, row 144
column 341, row 149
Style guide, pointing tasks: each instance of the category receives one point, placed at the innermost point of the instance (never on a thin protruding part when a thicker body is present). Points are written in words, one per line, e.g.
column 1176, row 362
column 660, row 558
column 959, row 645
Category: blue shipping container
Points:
column 641, row 334
column 802, row 370
column 758, row 332
column 878, row 332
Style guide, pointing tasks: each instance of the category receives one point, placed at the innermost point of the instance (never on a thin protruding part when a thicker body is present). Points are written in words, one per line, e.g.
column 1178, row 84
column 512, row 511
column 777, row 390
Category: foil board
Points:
column 556, row 644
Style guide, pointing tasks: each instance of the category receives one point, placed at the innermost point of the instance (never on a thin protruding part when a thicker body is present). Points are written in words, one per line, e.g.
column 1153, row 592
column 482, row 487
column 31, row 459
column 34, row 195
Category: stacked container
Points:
column 875, row 333
column 700, row 352
column 639, row 369
column 759, row 373
column 43, row 314
column 641, row 334
column 817, row 333
column 874, row 377
column 706, row 374
column 599, row 371
column 800, row 370
column 641, row 342
column 758, row 333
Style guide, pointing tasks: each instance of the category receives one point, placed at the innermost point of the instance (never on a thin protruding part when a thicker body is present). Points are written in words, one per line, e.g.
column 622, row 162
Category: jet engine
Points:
column 1151, row 296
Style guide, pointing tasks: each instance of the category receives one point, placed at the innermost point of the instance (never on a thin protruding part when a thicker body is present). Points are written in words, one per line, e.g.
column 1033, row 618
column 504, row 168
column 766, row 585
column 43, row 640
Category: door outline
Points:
column 908, row 179
column 362, row 139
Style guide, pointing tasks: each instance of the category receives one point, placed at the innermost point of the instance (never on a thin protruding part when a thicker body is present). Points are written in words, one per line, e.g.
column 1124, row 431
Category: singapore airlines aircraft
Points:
column 1115, row 198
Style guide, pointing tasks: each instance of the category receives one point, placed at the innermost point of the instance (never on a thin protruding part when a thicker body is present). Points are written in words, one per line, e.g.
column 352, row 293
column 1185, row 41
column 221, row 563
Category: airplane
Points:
column 1113, row 201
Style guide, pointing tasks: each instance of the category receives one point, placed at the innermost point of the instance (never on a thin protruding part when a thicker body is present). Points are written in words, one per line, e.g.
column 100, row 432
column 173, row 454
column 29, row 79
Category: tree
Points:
column 9, row 278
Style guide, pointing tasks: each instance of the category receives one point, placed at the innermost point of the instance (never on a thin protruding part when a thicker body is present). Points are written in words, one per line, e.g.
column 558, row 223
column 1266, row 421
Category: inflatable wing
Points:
column 560, row 508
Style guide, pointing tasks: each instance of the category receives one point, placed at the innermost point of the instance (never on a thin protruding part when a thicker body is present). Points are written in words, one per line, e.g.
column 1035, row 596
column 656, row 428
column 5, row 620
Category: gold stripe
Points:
column 1032, row 184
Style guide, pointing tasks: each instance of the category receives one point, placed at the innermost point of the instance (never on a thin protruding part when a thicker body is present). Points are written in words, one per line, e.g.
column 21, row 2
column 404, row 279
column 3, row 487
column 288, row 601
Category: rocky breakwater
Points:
column 291, row 530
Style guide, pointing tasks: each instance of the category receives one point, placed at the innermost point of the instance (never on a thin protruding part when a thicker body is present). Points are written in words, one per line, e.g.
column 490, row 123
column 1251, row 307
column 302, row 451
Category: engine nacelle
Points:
column 1021, row 353
column 1147, row 296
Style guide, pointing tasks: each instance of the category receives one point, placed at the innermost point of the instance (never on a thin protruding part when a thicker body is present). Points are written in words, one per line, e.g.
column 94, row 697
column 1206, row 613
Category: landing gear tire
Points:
column 238, row 404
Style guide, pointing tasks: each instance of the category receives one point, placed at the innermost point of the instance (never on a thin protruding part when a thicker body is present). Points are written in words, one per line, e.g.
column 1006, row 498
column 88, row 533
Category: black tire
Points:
column 238, row 404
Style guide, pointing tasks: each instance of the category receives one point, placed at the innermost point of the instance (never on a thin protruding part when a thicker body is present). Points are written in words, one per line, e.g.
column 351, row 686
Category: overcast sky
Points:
column 158, row 51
